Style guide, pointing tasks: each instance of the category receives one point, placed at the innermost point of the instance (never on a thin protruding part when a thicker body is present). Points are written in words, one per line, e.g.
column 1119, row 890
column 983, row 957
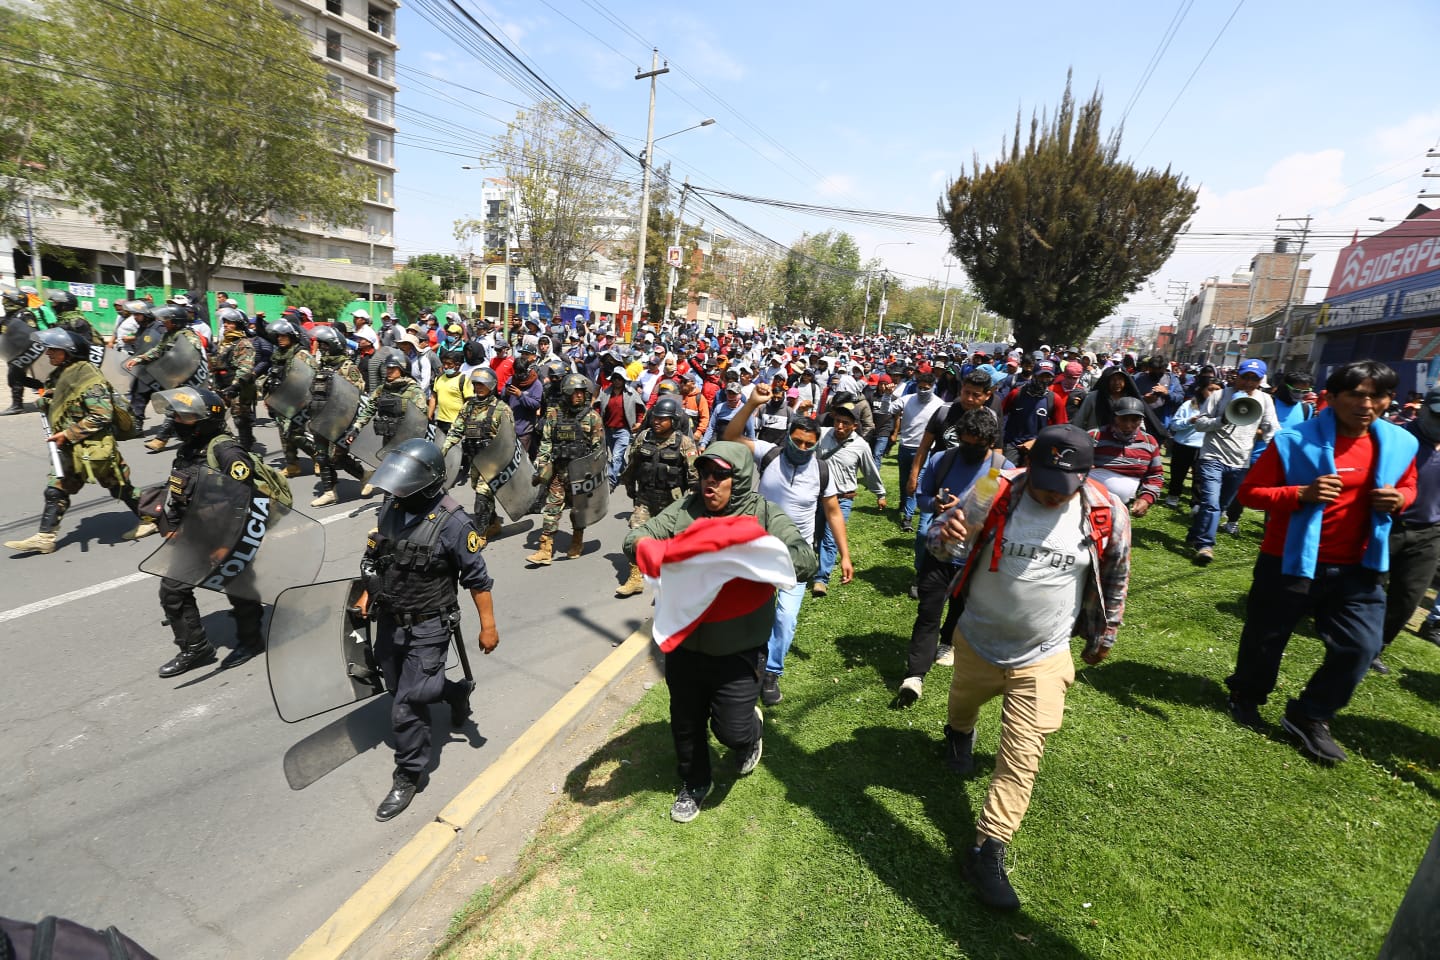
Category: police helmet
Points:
column 170, row 314
column 141, row 308
column 62, row 300
column 668, row 406
column 329, row 339
column 484, row 377
column 283, row 328
column 395, row 362
column 13, row 299
column 415, row 466
column 231, row 315
column 58, row 338
column 203, row 403
column 573, row 382
column 553, row 369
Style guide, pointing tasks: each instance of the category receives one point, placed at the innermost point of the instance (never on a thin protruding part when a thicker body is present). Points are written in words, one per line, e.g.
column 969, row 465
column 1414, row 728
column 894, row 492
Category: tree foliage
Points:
column 210, row 142
column 746, row 279
column 818, row 281
column 572, row 199
column 28, row 95
column 451, row 270
column 1056, row 233
column 414, row 293
column 325, row 300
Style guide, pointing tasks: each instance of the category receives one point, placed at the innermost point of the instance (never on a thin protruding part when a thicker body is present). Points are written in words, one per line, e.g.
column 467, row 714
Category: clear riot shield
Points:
column 292, row 396
column 237, row 541
column 14, row 338
column 507, row 468
column 589, row 488
column 318, row 652
column 330, row 419
column 370, row 447
column 180, row 365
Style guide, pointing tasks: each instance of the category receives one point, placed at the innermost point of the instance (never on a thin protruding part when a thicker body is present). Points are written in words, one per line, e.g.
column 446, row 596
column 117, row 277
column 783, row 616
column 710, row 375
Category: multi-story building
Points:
column 1215, row 323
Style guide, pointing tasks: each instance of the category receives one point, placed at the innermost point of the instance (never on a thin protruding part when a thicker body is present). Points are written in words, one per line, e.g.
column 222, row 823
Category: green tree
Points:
column 1056, row 233
column 325, row 300
column 28, row 95
column 818, row 281
column 414, row 292
column 210, row 143
column 450, row 270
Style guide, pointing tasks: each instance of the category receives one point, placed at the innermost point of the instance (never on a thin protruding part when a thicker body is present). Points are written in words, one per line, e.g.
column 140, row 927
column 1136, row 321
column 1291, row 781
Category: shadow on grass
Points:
column 883, row 652
column 633, row 758
column 1407, row 753
column 1156, row 537
column 1423, row 684
column 1134, row 684
column 890, row 580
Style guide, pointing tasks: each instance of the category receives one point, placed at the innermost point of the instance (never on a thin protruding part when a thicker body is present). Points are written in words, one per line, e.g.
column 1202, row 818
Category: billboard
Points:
column 1394, row 275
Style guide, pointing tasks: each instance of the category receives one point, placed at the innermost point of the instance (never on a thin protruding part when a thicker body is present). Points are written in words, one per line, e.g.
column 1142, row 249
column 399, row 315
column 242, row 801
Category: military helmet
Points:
column 141, row 308
column 57, row 338
column 573, row 382
column 329, row 339
column 415, row 466
column 484, row 376
column 283, row 328
column 553, row 369
column 203, row 403
column 231, row 315
column 13, row 299
column 395, row 362
column 668, row 406
column 171, row 314
column 62, row 300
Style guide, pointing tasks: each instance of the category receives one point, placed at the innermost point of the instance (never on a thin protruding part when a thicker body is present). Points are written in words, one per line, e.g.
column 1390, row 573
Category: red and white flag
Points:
column 718, row 568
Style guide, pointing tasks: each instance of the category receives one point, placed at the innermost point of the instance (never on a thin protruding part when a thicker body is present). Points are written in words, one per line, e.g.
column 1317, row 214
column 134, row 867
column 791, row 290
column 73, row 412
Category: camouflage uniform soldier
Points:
column 293, row 437
column 235, row 374
column 386, row 405
column 659, row 469
column 177, row 327
column 79, row 405
column 69, row 317
column 479, row 420
column 331, row 457
column 572, row 429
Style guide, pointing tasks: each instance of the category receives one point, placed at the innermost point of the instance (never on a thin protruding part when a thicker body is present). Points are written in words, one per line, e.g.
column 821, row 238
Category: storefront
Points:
column 1383, row 304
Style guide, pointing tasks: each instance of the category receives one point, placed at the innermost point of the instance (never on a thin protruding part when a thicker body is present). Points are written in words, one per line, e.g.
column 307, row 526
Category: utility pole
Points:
column 880, row 311
column 865, row 314
column 1283, row 339
column 944, row 298
column 35, row 251
column 679, row 223
column 655, row 71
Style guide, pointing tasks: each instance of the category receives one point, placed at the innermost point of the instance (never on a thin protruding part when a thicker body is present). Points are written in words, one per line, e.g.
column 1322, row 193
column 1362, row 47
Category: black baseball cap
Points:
column 1127, row 407
column 1061, row 458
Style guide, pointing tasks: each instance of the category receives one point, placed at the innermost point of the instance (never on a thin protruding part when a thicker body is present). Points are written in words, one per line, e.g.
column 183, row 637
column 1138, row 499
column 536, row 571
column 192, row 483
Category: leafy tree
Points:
column 572, row 199
column 746, row 279
column 450, row 270
column 210, row 143
column 414, row 292
column 325, row 300
column 818, row 280
column 1055, row 234
column 28, row 95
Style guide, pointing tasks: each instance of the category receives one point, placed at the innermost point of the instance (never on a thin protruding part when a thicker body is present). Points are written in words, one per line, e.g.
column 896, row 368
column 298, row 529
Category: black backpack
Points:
column 56, row 939
column 769, row 458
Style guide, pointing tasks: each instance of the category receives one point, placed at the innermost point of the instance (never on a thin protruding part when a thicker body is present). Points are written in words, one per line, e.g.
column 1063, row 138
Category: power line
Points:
column 1186, row 85
column 1171, row 29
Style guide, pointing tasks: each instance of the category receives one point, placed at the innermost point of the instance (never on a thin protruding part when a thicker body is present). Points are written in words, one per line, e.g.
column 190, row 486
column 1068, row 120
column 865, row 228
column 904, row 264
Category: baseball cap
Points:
column 1127, row 407
column 1254, row 366
column 1073, row 369
column 1060, row 458
column 846, row 409
column 1044, row 366
column 883, row 378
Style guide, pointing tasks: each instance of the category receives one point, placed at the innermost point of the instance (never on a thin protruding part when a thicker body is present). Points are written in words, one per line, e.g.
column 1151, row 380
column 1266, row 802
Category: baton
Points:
column 55, row 463
column 460, row 648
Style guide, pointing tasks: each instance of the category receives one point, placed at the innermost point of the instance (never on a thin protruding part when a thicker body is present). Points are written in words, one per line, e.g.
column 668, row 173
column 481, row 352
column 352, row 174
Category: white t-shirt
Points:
column 1025, row 610
column 796, row 490
column 914, row 415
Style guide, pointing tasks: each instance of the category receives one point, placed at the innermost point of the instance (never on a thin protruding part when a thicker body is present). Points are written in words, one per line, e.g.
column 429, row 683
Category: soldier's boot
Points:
column 327, row 487
column 636, row 584
column 193, row 653
column 367, row 489
column 17, row 404
column 325, row 499
column 143, row 529
column 292, row 468
column 157, row 443
column 546, row 553
column 577, row 544
column 248, row 639
column 43, row 542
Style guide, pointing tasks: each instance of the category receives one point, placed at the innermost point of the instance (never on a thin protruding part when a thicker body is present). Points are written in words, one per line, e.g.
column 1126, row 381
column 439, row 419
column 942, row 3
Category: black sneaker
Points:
column 985, row 869
column 1378, row 666
column 1314, row 736
column 1430, row 630
column 1246, row 714
column 770, row 690
column 750, row 759
column 687, row 803
column 959, row 751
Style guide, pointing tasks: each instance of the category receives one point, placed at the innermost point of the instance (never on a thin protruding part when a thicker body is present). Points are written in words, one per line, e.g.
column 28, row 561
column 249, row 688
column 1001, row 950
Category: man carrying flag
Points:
column 716, row 558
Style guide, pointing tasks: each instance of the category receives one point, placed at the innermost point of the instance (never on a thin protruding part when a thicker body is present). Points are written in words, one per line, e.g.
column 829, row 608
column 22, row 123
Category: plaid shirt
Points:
column 1138, row 457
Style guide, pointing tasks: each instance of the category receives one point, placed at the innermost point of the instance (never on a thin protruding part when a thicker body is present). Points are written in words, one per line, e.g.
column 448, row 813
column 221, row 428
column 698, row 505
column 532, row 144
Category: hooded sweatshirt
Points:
column 753, row 629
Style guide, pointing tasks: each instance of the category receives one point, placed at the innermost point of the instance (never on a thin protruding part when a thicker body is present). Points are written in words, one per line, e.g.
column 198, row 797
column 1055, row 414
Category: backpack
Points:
column 269, row 481
column 769, row 458
column 123, row 425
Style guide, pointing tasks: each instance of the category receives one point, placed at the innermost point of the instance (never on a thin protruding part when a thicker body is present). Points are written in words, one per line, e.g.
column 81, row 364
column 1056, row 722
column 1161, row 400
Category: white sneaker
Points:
column 911, row 688
column 945, row 656
column 1172, row 501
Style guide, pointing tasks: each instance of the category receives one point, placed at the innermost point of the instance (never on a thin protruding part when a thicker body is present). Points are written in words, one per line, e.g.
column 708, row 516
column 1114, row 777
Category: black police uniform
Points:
column 412, row 566
column 177, row 599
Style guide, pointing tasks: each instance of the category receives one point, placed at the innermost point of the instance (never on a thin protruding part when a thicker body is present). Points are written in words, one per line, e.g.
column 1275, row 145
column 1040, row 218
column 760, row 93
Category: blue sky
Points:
column 1325, row 109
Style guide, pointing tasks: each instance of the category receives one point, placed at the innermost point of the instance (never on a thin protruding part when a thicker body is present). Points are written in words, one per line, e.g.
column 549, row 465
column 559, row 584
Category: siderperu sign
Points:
column 1394, row 275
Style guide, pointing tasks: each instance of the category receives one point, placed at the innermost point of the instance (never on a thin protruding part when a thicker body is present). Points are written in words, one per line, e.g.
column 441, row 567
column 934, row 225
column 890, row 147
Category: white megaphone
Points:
column 1243, row 411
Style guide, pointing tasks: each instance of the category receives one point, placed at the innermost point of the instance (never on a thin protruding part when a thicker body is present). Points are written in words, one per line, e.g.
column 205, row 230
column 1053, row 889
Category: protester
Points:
column 1127, row 459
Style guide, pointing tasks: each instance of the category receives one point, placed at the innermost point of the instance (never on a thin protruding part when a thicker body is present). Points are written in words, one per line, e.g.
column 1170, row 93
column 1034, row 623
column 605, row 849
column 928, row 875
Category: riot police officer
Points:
column 331, row 457
column 17, row 378
column 480, row 419
column 423, row 548
column 147, row 330
column 293, row 438
column 235, row 374
column 659, row 469
column 177, row 327
column 79, row 405
column 69, row 317
column 572, row 429
column 386, row 405
column 199, row 417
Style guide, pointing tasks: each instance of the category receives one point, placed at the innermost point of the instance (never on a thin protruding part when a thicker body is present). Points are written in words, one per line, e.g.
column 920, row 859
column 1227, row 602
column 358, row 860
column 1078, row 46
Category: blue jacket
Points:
column 1307, row 451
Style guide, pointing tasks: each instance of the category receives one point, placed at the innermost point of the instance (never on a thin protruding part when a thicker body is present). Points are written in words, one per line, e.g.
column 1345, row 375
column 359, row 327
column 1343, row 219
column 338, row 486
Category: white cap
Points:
column 360, row 315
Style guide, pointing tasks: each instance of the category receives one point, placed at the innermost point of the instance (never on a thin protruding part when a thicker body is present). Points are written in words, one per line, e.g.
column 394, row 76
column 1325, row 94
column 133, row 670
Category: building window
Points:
column 336, row 7
column 377, row 106
column 490, row 282
column 609, row 294
column 379, row 148
column 336, row 84
column 382, row 188
column 377, row 66
column 492, row 208
column 378, row 223
column 379, row 21
column 333, row 45
column 335, row 251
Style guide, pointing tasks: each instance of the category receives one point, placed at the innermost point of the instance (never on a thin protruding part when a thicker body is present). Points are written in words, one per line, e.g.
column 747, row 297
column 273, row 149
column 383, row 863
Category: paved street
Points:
column 163, row 807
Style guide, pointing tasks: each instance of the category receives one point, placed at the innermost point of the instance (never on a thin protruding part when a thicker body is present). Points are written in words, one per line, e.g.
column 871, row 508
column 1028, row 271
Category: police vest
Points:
column 569, row 440
column 389, row 407
column 480, row 421
column 660, row 466
column 417, row 576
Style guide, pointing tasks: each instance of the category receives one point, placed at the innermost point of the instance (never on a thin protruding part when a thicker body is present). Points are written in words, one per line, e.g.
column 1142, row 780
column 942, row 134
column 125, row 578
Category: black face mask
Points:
column 973, row 452
column 417, row 502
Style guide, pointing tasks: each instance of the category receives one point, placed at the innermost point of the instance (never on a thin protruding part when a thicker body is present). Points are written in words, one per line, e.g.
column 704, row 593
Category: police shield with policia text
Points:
column 484, row 433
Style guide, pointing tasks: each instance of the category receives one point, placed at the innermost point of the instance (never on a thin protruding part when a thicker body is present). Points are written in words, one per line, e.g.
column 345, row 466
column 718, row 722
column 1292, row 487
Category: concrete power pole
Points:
column 1283, row 339
column 679, row 223
column 654, row 71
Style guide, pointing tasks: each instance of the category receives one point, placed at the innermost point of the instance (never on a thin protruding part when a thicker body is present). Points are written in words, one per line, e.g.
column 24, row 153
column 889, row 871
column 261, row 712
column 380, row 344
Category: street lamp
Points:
column 865, row 314
column 650, row 141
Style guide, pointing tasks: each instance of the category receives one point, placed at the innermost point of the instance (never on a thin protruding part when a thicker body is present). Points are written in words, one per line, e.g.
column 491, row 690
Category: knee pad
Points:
column 57, row 496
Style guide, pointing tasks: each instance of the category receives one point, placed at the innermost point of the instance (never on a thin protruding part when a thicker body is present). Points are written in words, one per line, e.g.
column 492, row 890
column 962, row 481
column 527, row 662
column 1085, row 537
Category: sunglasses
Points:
column 710, row 468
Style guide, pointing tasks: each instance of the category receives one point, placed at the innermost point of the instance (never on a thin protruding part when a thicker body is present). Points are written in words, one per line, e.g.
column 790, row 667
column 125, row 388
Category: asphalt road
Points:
column 163, row 806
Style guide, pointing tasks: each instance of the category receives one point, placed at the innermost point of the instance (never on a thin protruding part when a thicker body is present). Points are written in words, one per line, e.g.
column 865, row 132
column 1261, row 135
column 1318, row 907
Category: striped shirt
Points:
column 1132, row 468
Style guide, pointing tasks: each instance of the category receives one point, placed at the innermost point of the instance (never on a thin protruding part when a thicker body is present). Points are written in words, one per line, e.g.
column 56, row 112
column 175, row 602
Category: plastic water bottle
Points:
column 977, row 503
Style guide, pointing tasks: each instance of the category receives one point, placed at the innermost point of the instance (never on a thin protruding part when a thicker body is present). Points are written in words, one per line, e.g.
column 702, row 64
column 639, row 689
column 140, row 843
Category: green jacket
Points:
column 753, row 629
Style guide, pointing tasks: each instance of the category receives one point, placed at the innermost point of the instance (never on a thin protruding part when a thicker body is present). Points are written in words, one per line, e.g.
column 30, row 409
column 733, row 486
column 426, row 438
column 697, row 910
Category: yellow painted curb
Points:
column 369, row 904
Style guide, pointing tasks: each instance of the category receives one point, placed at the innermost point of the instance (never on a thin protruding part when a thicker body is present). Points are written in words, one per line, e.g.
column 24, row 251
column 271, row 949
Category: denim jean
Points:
column 1348, row 604
column 879, row 445
column 1217, row 487
column 922, row 527
column 906, row 457
column 617, row 441
column 782, row 634
column 829, row 547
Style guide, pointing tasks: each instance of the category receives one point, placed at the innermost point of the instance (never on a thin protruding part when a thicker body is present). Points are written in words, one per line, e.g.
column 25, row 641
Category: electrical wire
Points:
column 1186, row 85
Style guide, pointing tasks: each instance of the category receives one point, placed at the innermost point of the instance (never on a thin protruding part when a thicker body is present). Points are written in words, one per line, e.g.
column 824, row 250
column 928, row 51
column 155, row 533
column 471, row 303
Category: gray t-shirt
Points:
column 796, row 490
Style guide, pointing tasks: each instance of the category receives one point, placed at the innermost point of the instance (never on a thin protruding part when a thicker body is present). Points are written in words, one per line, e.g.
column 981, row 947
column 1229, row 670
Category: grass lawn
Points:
column 1158, row 828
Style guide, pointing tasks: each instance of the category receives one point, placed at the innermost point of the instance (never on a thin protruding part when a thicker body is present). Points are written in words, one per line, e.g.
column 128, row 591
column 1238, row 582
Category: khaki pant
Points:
column 1033, row 708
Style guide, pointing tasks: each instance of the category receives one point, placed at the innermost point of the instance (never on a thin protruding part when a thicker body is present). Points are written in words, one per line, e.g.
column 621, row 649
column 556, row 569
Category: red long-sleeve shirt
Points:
column 1345, row 524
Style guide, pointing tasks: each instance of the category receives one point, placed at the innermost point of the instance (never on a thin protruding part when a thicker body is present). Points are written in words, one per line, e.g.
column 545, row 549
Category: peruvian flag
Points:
column 718, row 568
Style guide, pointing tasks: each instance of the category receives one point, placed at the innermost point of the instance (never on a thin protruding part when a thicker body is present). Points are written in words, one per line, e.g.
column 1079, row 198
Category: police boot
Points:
column 577, row 544
column 542, row 556
column 636, row 583
column 17, row 404
column 143, row 529
column 367, row 489
column 44, row 541
column 41, row 543
column 194, row 653
column 402, row 791
column 292, row 468
column 157, row 443
column 325, row 499
column 248, row 639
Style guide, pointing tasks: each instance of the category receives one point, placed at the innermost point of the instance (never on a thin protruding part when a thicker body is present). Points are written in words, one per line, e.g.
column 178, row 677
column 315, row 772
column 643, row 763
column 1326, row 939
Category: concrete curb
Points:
column 394, row 886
